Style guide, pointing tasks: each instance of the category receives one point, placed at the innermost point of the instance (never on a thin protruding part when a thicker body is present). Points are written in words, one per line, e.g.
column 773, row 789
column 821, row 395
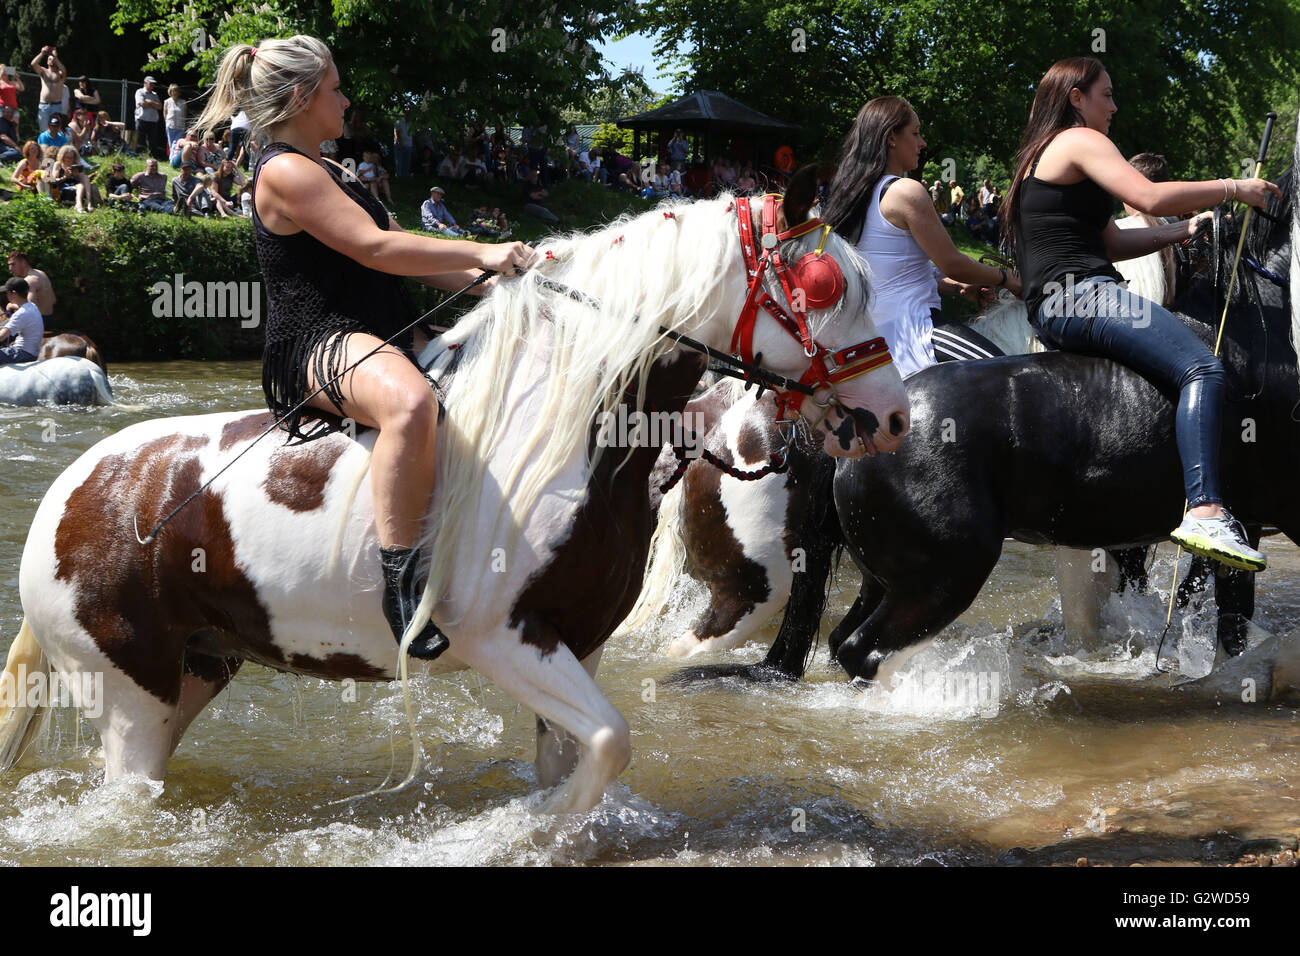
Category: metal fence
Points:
column 116, row 95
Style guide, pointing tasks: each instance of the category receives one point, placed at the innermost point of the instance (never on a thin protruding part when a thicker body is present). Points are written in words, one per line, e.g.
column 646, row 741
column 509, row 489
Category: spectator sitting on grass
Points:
column 68, row 181
column 205, row 202
column 590, row 168
column 226, row 179
column 534, row 193
column 29, row 175
column 152, row 186
column 492, row 225
column 436, row 217
column 10, row 150
column 183, row 150
column 451, row 165
column 53, row 134
column 78, row 129
column 106, row 136
column 373, row 176
column 208, row 154
column 116, row 185
column 183, row 187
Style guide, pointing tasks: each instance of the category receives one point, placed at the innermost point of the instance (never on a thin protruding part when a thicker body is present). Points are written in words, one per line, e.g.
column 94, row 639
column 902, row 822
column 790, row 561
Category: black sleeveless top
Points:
column 1058, row 233
column 313, row 293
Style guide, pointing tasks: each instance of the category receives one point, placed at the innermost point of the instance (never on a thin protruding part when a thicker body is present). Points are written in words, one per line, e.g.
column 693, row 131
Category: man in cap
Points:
column 148, row 118
column 436, row 217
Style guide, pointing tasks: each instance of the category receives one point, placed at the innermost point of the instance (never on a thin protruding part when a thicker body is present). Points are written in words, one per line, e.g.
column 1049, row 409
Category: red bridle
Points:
column 816, row 280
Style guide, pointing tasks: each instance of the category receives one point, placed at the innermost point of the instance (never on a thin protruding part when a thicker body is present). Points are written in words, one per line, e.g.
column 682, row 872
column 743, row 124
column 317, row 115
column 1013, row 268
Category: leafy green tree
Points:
column 484, row 58
column 1188, row 75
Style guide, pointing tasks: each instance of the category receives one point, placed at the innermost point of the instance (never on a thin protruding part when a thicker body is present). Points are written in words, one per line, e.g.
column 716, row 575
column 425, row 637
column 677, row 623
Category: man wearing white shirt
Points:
column 20, row 336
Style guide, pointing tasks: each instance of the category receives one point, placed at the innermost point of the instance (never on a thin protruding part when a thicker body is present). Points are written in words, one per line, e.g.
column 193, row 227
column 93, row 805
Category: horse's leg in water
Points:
column 205, row 677
column 1234, row 594
column 869, row 597
column 532, row 665
column 818, row 536
column 916, row 607
column 557, row 750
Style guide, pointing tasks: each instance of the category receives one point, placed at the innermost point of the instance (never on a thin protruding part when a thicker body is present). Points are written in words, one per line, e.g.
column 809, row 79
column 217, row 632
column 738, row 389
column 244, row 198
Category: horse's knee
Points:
column 611, row 745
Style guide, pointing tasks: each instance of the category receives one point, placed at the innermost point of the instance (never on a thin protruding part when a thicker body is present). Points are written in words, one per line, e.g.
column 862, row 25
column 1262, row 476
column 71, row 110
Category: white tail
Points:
column 20, row 720
column 664, row 567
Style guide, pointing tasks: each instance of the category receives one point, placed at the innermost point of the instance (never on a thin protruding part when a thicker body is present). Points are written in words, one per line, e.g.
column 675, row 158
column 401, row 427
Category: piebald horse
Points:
column 747, row 541
column 537, row 534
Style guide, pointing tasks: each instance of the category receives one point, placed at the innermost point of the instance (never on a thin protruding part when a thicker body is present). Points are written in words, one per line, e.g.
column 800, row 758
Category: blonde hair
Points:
column 271, row 82
column 64, row 152
column 174, row 88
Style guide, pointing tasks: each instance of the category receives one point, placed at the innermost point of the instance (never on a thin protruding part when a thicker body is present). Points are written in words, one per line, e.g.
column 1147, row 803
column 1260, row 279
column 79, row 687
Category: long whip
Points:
column 149, row 538
column 1269, row 119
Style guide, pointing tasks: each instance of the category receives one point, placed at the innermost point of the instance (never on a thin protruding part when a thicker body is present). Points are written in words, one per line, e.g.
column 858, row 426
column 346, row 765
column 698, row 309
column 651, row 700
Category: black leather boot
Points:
column 400, row 601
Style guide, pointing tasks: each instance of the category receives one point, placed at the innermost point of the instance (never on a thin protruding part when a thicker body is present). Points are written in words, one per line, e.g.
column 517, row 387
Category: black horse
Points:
column 1061, row 449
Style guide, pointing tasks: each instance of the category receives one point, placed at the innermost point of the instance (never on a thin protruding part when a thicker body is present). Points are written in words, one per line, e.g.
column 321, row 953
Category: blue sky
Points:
column 636, row 51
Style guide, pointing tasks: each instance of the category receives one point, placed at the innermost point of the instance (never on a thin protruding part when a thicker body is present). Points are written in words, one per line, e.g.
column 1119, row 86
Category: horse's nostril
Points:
column 897, row 424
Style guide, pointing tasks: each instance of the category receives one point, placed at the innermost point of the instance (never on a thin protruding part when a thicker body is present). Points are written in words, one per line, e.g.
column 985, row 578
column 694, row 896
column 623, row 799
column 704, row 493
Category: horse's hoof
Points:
column 429, row 645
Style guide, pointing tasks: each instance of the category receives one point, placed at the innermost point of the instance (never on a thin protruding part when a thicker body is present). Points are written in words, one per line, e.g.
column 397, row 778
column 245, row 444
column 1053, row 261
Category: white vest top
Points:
column 904, row 288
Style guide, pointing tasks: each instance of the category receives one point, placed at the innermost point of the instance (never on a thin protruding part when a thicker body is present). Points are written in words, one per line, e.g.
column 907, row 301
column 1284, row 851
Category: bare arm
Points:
column 1124, row 244
column 1085, row 152
column 295, row 194
column 908, row 206
column 450, row 281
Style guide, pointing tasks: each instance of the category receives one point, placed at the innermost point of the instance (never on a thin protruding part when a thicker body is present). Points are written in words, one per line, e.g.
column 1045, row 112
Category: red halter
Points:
column 816, row 282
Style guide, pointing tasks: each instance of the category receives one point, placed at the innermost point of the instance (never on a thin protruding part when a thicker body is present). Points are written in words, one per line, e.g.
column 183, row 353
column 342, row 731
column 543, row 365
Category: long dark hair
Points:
column 866, row 151
column 1051, row 113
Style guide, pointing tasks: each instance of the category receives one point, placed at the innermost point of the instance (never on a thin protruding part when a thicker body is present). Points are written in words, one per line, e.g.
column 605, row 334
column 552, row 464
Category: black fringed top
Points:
column 313, row 293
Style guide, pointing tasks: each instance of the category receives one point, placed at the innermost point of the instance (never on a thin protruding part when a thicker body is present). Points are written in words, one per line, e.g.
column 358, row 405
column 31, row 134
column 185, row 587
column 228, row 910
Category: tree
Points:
column 488, row 59
column 1187, row 74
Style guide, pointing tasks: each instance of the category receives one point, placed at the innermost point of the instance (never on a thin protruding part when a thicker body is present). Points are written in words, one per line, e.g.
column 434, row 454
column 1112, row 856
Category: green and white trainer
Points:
column 1222, row 538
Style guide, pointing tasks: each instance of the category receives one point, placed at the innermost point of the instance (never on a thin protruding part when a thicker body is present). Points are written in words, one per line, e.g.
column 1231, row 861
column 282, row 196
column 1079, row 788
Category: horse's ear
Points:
column 800, row 196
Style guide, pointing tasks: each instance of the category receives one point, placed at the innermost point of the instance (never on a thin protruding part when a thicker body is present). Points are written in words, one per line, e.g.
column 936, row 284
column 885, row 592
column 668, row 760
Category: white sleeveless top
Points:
column 904, row 288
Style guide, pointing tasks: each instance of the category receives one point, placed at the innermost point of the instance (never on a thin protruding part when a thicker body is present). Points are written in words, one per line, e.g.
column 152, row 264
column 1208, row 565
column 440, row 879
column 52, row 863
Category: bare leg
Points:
column 389, row 393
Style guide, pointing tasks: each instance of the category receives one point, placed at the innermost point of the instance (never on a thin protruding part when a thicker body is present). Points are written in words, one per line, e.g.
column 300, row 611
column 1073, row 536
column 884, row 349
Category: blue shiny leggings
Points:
column 1098, row 316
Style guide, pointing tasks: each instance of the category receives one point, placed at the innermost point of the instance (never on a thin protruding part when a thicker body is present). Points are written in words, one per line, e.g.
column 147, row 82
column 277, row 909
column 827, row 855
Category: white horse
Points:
column 538, row 535
column 740, row 537
column 57, row 381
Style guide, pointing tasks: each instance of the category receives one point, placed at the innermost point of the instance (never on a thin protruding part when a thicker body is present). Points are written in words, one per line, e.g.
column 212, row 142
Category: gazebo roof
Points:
column 707, row 109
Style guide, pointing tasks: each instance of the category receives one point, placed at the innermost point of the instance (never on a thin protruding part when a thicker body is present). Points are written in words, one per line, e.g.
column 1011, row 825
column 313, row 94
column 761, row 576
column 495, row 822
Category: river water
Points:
column 999, row 743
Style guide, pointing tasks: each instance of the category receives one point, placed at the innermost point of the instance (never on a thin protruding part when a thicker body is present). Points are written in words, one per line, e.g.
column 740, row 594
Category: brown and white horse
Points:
column 538, row 536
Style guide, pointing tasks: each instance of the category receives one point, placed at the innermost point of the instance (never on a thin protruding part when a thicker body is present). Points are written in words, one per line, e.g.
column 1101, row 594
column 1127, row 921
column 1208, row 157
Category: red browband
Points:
column 824, row 368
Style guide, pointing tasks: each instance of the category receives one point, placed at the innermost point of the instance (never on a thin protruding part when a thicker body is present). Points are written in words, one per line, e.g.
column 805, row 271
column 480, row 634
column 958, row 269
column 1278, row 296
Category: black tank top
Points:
column 1058, row 233
column 311, row 288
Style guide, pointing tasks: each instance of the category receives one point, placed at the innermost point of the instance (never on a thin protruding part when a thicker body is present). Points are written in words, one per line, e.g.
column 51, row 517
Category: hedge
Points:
column 104, row 263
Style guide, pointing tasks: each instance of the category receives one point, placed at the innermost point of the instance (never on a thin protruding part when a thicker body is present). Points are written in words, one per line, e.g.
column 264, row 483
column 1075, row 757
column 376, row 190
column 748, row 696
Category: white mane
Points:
column 679, row 271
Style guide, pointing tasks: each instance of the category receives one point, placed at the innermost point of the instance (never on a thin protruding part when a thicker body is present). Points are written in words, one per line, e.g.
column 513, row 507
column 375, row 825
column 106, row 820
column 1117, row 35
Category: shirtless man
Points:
column 40, row 292
column 52, row 74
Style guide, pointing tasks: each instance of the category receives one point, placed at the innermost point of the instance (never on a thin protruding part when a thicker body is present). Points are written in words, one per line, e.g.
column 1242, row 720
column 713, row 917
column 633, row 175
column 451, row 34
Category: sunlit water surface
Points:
column 999, row 742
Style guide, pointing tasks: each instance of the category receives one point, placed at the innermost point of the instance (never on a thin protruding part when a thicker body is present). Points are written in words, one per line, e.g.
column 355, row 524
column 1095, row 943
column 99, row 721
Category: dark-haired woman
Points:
column 898, row 232
column 1059, row 217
